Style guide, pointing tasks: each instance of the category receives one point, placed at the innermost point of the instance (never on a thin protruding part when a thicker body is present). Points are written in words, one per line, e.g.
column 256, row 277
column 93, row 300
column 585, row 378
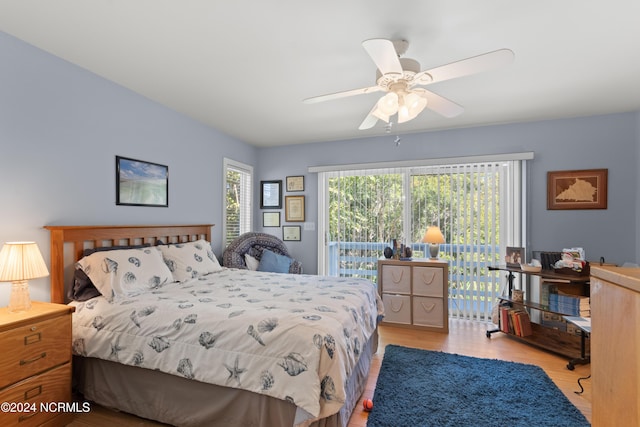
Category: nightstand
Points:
column 35, row 364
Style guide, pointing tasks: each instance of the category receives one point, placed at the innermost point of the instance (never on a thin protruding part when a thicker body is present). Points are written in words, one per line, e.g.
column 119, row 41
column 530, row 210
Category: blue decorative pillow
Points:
column 273, row 262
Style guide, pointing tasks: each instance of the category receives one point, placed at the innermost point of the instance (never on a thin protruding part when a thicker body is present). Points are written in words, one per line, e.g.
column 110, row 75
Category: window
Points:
column 238, row 194
column 477, row 205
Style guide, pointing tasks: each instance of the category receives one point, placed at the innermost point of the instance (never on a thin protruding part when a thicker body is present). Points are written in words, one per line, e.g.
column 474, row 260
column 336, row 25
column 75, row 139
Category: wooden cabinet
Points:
column 35, row 364
column 615, row 353
column 415, row 293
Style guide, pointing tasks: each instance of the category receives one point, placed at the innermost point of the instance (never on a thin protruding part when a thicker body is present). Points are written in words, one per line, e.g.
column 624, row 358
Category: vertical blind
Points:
column 476, row 205
column 238, row 194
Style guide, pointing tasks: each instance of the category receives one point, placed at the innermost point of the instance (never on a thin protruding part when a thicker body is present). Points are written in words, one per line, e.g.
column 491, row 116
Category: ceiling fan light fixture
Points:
column 388, row 104
column 411, row 105
column 380, row 115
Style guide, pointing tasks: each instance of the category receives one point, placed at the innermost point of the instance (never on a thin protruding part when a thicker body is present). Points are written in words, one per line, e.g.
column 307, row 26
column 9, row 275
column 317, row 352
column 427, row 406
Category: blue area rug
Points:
column 429, row 388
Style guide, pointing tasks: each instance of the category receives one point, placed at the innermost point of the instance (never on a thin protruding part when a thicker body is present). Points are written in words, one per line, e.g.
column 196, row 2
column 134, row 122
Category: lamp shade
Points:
column 433, row 235
column 21, row 261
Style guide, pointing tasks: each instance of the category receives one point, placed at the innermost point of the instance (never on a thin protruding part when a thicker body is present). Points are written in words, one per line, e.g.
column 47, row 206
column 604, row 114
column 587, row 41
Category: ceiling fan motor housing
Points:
column 410, row 67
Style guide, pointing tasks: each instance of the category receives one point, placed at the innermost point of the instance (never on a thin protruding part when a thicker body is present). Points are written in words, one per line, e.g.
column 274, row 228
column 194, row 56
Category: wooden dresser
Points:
column 415, row 293
column 35, row 365
column 615, row 346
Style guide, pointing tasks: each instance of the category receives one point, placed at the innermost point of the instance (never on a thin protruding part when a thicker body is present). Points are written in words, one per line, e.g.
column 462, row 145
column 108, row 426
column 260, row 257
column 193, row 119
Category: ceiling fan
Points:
column 399, row 77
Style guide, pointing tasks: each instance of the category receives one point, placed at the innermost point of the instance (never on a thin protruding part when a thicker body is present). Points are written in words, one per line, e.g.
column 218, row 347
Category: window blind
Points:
column 238, row 196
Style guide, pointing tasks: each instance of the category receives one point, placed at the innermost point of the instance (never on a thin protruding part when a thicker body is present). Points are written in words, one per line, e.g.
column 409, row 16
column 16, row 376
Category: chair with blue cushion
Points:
column 255, row 244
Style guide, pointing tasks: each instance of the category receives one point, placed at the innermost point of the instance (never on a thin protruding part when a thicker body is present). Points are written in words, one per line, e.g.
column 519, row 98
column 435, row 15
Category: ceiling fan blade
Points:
column 384, row 55
column 344, row 94
column 369, row 121
column 440, row 104
column 465, row 67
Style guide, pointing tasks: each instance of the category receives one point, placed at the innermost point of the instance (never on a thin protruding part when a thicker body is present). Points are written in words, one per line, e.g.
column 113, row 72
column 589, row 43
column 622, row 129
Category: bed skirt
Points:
column 187, row 403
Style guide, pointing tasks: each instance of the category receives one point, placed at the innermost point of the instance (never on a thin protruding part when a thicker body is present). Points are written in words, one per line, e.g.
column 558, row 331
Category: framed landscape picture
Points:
column 140, row 183
column 577, row 189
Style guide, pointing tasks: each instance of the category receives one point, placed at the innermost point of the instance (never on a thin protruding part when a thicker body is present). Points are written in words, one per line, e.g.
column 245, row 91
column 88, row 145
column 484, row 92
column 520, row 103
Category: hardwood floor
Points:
column 465, row 337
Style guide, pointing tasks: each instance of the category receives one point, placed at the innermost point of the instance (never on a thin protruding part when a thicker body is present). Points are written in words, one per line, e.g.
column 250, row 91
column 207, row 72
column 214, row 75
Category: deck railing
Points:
column 472, row 287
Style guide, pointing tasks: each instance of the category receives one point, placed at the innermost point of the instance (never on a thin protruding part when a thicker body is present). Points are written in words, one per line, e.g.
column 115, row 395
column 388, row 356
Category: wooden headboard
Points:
column 95, row 236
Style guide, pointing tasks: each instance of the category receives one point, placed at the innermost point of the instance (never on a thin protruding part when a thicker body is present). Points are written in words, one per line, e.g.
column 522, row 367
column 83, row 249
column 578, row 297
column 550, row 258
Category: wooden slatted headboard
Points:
column 96, row 236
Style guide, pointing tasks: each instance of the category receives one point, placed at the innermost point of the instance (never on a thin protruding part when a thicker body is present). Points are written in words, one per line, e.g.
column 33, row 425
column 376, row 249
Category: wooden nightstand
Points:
column 35, row 364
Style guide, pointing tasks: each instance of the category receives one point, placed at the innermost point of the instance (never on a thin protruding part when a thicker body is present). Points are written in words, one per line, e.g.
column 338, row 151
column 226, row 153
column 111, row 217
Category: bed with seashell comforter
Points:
column 221, row 346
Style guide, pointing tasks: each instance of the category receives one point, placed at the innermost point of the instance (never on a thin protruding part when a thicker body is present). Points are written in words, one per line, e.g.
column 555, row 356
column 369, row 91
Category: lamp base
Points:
column 19, row 299
column 434, row 248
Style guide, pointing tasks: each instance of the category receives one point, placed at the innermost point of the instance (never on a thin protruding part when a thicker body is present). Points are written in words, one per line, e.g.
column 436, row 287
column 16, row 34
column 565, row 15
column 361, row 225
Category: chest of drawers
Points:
column 415, row 293
column 35, row 364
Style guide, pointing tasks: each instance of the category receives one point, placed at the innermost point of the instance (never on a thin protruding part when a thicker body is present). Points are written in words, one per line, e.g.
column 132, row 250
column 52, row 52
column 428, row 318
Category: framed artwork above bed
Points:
column 141, row 183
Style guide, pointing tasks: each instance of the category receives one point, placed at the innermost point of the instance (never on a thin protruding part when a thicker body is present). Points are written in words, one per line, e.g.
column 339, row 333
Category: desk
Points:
column 584, row 324
column 548, row 327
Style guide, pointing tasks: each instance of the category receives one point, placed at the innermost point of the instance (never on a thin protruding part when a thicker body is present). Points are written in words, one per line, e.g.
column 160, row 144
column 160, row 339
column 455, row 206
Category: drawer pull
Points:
column 399, row 308
column 26, row 416
column 428, row 309
column 30, row 394
column 34, row 359
column 428, row 280
column 393, row 276
column 32, row 339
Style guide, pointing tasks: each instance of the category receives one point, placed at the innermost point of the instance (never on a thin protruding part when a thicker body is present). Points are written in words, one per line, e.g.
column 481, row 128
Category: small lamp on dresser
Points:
column 19, row 262
column 433, row 236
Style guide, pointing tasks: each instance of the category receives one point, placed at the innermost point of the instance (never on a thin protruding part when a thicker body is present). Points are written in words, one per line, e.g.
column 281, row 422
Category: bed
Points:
column 211, row 345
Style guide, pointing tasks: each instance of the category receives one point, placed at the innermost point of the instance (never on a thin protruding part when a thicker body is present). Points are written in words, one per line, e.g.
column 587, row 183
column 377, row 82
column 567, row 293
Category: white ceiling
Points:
column 244, row 67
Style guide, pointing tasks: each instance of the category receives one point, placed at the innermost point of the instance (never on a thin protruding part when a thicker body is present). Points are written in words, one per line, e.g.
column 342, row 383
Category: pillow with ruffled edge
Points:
column 252, row 263
column 127, row 272
column 189, row 260
column 274, row 263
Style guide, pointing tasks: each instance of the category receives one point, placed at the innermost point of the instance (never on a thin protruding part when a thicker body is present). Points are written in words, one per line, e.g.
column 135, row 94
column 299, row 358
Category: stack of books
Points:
column 571, row 305
column 515, row 321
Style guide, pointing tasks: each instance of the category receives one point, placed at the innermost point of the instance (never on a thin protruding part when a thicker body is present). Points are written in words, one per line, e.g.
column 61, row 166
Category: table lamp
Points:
column 19, row 262
column 433, row 236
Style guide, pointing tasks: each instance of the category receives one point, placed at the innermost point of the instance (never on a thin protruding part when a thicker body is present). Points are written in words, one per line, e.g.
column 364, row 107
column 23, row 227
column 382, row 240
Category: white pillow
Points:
column 126, row 272
column 189, row 260
column 252, row 263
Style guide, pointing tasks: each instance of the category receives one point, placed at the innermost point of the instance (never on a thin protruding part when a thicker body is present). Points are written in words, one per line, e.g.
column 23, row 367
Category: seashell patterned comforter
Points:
column 293, row 337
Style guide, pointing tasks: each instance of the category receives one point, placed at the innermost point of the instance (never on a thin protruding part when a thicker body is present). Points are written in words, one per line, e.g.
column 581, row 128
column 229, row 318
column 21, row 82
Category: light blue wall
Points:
column 60, row 130
column 609, row 142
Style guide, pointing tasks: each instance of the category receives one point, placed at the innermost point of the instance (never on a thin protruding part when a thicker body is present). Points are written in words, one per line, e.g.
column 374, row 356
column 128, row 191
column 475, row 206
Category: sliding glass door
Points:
column 477, row 205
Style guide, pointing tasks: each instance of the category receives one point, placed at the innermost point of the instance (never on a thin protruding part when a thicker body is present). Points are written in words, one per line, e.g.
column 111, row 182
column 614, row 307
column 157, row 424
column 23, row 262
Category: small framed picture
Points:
column 577, row 189
column 514, row 256
column 271, row 219
column 294, row 208
column 295, row 183
column 271, row 194
column 291, row 233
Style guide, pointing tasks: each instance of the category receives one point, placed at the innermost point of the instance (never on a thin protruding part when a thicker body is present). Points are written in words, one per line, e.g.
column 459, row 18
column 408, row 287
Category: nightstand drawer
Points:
column 34, row 348
column 396, row 279
column 427, row 281
column 428, row 311
column 397, row 308
column 50, row 387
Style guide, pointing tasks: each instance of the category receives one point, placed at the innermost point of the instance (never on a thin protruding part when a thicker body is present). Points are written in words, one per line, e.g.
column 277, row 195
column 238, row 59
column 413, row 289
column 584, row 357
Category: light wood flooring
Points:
column 465, row 337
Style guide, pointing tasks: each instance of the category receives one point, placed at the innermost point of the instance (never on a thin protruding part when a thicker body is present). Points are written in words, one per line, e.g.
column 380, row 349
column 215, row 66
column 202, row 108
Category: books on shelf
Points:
column 572, row 305
column 515, row 321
